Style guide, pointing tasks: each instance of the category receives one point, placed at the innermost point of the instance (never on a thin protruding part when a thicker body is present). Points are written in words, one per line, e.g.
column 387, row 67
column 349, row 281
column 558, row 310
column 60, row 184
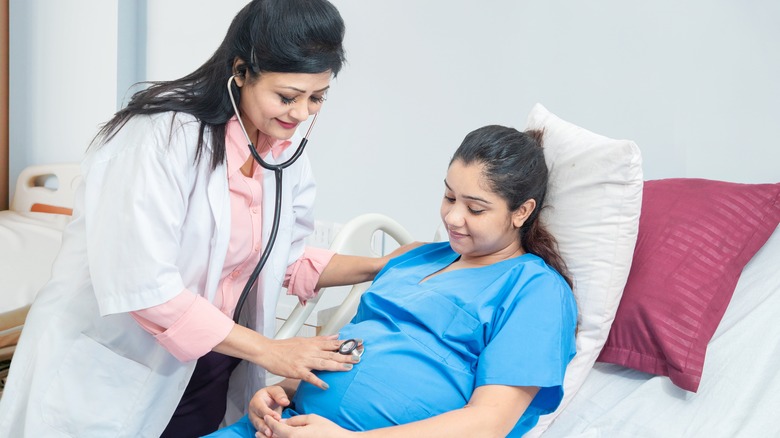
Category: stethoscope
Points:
column 353, row 347
column 277, row 169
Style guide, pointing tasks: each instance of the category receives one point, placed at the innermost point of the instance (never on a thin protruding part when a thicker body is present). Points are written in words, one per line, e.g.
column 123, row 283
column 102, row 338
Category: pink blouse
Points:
column 188, row 325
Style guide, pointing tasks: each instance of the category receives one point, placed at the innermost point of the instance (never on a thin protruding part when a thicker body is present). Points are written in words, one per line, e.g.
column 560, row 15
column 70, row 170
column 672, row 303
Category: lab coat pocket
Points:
column 94, row 390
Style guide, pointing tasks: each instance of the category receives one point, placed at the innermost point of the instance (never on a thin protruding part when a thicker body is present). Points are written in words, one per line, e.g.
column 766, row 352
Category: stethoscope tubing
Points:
column 277, row 169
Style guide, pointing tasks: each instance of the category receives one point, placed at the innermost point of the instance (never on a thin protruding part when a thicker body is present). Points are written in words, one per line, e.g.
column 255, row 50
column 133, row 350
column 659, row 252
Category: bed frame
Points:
column 48, row 188
column 355, row 238
column 30, row 236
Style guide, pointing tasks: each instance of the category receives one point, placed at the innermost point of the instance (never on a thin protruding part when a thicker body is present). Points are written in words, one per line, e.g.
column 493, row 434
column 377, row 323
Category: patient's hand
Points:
column 304, row 426
column 268, row 401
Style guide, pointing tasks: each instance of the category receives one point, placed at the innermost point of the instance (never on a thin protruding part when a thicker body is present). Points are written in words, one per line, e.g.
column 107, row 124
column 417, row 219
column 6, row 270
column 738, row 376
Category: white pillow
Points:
column 593, row 203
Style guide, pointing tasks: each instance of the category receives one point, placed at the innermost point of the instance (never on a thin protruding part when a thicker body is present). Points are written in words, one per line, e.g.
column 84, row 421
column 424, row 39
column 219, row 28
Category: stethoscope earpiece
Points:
column 236, row 75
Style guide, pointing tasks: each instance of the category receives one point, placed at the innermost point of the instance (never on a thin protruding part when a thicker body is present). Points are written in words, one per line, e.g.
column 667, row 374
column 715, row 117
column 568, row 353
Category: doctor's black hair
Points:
column 282, row 36
column 516, row 170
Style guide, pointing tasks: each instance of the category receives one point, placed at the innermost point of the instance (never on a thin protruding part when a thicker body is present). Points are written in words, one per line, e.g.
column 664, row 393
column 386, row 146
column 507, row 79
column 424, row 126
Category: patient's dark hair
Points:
column 516, row 171
column 283, row 36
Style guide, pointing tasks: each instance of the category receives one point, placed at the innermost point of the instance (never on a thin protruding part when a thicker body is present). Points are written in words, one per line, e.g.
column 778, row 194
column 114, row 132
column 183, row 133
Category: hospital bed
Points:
column 30, row 236
column 740, row 391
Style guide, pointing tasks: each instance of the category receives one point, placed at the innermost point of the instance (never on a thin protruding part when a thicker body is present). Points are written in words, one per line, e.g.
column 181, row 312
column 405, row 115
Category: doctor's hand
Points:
column 294, row 357
column 302, row 426
column 268, row 401
column 297, row 357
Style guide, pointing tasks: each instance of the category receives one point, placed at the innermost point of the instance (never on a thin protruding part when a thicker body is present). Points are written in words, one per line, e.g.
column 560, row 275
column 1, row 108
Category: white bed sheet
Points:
column 739, row 395
column 29, row 243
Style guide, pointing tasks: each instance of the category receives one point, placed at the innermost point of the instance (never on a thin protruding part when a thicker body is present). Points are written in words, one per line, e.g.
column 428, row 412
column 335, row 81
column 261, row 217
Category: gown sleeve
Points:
column 532, row 340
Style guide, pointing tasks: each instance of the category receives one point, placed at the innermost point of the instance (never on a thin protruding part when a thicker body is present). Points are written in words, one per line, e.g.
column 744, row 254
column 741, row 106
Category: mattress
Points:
column 739, row 395
column 29, row 242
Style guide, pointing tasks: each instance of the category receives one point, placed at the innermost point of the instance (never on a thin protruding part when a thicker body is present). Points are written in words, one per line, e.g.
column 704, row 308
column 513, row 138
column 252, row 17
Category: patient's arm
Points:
column 345, row 270
column 492, row 412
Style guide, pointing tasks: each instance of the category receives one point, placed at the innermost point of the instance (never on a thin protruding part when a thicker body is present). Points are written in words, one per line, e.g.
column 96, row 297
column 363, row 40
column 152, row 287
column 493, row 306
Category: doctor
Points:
column 133, row 336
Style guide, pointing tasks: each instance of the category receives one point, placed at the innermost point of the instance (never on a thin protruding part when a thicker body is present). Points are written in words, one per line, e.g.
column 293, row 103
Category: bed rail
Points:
column 354, row 239
column 47, row 188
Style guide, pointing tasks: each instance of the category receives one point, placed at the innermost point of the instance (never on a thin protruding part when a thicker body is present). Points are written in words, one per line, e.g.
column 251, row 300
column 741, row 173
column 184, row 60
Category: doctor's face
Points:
column 479, row 224
column 276, row 103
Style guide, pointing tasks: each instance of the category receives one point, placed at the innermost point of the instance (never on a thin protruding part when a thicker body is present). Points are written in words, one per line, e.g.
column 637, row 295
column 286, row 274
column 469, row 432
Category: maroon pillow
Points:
column 695, row 236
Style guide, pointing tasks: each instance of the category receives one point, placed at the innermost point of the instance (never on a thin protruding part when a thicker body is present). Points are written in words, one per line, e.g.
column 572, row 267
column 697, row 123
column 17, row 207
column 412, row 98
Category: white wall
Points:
column 62, row 77
column 693, row 83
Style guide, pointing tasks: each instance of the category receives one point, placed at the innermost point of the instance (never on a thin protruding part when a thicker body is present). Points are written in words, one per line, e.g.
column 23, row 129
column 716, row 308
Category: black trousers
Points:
column 203, row 404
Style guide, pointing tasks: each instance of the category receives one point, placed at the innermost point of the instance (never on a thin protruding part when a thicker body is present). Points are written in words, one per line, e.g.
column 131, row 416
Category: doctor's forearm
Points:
column 244, row 343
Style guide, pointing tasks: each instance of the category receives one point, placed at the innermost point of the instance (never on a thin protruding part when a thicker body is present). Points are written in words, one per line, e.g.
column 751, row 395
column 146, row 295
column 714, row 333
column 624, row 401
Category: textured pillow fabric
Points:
column 695, row 236
column 593, row 203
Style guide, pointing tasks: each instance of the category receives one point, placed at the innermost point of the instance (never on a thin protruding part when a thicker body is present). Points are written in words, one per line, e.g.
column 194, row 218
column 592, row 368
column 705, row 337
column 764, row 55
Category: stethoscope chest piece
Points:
column 353, row 347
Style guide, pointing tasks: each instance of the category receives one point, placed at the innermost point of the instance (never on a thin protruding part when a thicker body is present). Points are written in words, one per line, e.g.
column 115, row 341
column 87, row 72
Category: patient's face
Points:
column 478, row 221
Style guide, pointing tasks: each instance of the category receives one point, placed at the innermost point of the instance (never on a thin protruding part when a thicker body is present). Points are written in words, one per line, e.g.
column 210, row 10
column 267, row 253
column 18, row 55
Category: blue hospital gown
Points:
column 429, row 344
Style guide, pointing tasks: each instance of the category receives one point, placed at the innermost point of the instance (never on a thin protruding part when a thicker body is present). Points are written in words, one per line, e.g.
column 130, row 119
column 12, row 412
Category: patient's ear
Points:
column 520, row 215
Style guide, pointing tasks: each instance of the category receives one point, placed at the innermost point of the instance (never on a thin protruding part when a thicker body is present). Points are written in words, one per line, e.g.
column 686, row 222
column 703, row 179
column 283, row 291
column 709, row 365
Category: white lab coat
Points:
column 147, row 223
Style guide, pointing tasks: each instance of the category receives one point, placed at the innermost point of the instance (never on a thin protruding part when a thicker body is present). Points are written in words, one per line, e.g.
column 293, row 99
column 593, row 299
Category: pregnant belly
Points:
column 397, row 381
